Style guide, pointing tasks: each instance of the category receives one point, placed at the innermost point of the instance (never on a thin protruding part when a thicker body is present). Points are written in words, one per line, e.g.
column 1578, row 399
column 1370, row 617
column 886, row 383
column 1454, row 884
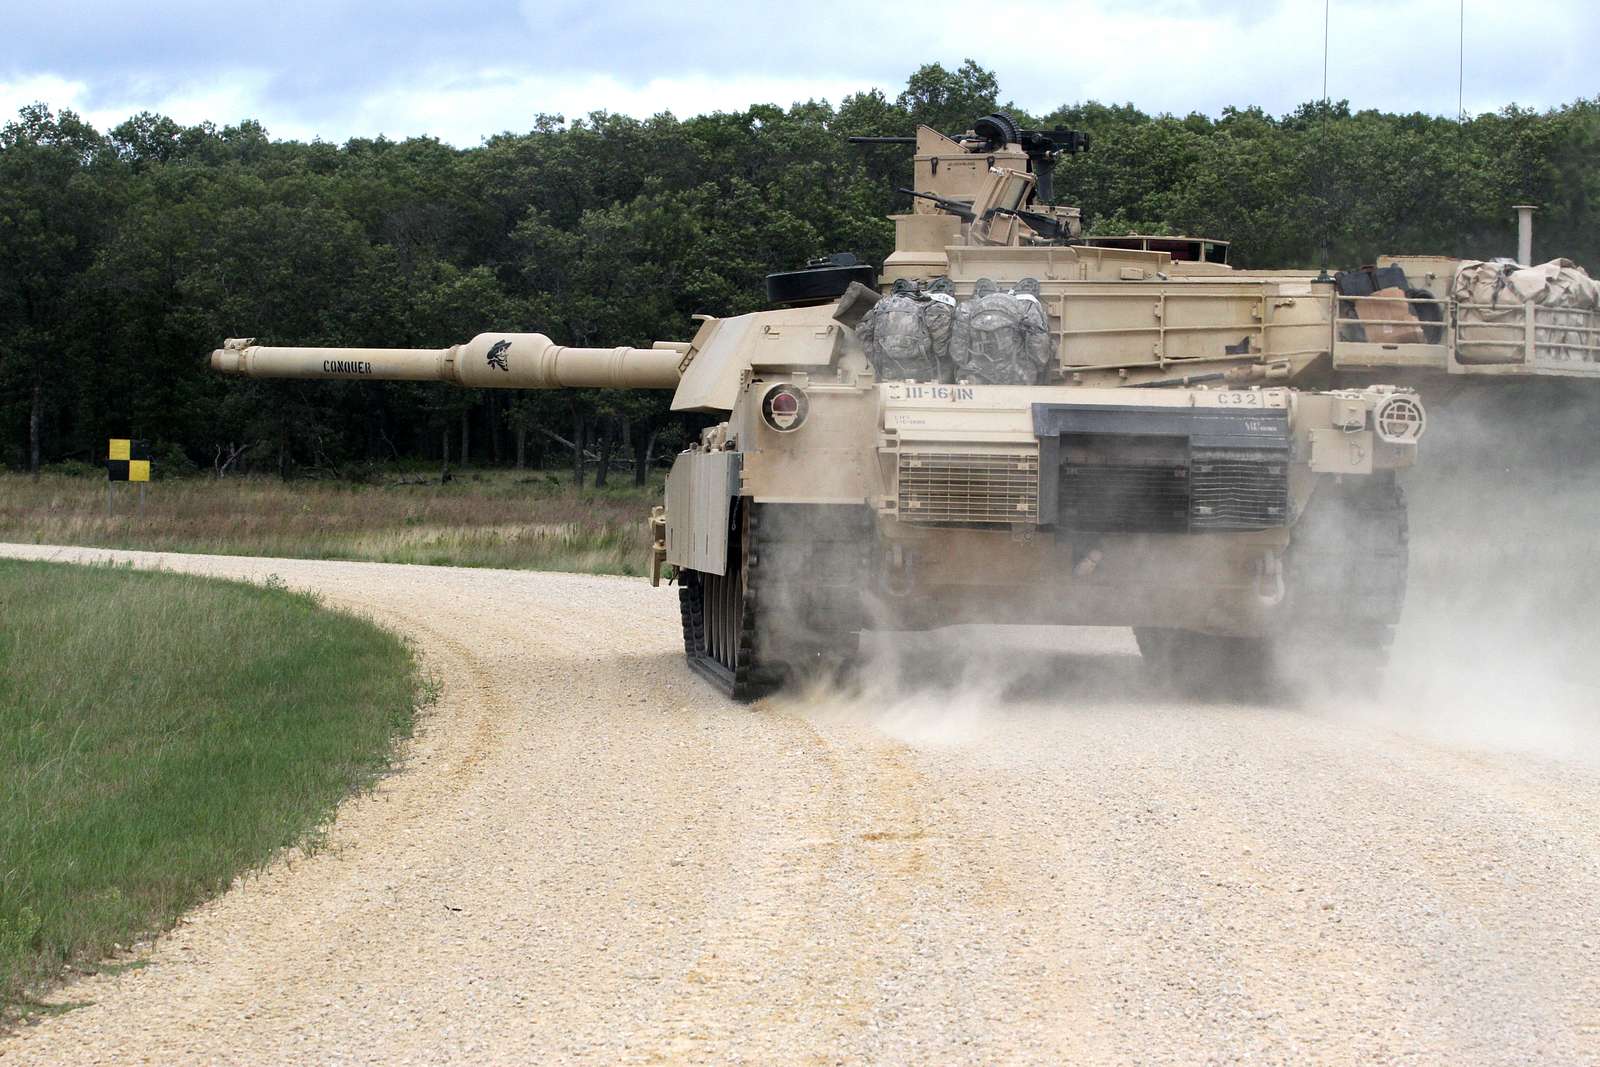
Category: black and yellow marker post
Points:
column 127, row 460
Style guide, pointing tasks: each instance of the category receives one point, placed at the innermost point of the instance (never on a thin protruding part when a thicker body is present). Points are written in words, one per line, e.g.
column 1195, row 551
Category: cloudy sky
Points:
column 468, row 69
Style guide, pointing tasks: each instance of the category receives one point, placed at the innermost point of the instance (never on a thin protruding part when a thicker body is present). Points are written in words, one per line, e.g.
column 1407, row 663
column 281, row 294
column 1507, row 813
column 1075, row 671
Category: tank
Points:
column 1012, row 426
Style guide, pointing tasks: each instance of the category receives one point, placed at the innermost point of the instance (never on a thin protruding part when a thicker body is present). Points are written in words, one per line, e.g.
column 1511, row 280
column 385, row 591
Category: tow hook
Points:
column 898, row 579
column 1269, row 580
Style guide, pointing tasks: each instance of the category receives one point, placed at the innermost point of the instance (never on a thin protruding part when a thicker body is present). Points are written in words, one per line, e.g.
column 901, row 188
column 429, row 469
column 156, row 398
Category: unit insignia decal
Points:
column 497, row 355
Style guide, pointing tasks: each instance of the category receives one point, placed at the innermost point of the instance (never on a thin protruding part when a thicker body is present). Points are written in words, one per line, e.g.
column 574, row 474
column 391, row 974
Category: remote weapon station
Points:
column 1015, row 424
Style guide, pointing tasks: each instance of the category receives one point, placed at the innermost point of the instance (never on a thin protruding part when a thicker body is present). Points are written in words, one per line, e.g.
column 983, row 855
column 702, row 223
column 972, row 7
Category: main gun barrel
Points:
column 488, row 361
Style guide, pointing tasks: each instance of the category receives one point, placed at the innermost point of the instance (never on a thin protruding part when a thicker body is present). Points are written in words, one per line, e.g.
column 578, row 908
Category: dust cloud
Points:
column 1498, row 647
column 960, row 684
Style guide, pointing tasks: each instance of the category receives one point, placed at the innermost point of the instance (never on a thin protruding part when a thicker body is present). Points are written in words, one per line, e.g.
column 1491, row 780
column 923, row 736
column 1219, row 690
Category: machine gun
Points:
column 1044, row 148
column 1047, row 226
column 960, row 210
column 996, row 132
column 1052, row 229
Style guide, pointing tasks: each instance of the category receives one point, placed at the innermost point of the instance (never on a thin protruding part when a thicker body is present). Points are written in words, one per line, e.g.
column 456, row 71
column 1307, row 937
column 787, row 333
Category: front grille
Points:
column 1163, row 468
column 1238, row 491
column 1191, row 493
column 1108, row 499
column 969, row 487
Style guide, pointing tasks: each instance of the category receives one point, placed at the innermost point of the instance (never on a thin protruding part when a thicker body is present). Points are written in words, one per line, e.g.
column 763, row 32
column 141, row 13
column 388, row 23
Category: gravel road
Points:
column 589, row 857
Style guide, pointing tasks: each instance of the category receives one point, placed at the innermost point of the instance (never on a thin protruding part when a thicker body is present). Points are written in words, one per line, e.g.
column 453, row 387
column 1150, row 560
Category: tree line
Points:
column 127, row 255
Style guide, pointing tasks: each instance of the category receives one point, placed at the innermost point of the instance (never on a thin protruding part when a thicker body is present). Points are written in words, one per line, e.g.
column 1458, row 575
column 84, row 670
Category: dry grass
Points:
column 527, row 520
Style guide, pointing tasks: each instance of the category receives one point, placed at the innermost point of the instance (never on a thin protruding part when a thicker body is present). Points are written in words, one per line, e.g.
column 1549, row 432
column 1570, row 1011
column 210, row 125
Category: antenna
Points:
column 1322, row 140
column 1461, row 62
column 1325, row 5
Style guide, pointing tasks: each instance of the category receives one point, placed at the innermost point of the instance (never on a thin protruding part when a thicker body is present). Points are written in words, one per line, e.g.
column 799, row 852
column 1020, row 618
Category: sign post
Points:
column 127, row 460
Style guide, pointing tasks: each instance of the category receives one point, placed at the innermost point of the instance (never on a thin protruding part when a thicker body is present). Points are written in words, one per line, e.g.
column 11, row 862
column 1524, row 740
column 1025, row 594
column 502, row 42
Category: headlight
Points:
column 1399, row 419
column 785, row 408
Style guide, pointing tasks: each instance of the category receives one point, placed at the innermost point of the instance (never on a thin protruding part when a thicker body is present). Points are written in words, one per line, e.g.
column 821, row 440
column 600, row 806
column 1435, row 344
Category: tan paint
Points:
column 488, row 361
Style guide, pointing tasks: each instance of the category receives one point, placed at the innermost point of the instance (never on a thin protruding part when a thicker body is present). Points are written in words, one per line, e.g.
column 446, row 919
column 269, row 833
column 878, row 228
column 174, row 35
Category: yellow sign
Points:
column 128, row 460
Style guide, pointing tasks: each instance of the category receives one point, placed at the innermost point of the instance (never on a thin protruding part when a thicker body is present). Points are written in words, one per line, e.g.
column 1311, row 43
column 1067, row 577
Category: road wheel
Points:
column 788, row 607
column 719, row 621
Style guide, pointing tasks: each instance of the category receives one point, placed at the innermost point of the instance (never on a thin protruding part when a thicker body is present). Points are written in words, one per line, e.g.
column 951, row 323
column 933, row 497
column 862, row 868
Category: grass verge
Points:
column 526, row 520
column 162, row 733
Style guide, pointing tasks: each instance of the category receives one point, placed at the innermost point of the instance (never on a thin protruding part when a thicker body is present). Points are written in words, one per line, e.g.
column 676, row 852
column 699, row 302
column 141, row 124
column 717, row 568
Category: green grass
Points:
column 523, row 520
column 162, row 733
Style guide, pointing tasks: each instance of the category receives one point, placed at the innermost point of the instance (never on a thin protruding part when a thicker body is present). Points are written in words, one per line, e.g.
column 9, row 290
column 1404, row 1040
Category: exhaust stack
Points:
column 1525, row 232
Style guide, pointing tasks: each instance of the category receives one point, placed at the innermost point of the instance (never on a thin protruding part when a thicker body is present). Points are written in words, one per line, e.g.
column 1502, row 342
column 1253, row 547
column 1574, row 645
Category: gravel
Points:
column 589, row 857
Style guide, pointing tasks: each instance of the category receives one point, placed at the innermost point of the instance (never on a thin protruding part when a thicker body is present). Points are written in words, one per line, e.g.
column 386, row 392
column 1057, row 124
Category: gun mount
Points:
column 998, row 133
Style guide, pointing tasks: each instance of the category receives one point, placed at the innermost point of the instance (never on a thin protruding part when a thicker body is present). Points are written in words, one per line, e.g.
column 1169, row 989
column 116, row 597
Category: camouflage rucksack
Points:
column 938, row 315
column 998, row 340
column 897, row 341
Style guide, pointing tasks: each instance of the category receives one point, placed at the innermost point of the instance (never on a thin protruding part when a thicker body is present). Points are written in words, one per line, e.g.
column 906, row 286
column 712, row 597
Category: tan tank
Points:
column 1156, row 471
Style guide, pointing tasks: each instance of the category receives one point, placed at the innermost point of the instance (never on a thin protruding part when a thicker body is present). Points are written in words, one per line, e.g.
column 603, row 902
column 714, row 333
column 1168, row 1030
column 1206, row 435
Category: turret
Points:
column 706, row 373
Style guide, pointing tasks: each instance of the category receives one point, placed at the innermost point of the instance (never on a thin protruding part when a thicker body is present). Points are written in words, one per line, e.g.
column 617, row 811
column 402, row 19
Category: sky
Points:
column 467, row 70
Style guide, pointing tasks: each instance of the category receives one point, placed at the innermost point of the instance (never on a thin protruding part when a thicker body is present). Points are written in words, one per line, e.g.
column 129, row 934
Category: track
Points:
column 788, row 605
column 1000, row 851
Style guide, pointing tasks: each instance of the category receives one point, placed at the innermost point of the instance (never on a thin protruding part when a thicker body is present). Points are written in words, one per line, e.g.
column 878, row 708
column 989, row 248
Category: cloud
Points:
column 478, row 67
column 464, row 110
column 52, row 88
column 223, row 101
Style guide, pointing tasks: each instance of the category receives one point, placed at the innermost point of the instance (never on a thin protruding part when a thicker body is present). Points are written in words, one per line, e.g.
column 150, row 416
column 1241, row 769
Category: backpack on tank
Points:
column 897, row 340
column 999, row 340
column 938, row 316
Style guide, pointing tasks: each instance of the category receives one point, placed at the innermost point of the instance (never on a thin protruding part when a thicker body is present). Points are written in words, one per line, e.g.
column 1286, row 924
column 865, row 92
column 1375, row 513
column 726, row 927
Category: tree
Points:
column 125, row 258
column 950, row 101
column 59, row 182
